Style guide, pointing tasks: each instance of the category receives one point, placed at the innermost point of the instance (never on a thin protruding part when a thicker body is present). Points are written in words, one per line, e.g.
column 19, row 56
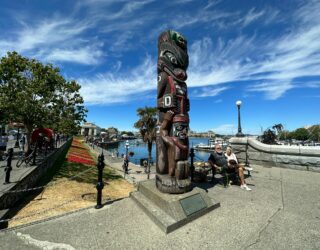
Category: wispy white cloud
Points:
column 274, row 62
column 85, row 55
column 251, row 16
column 212, row 3
column 55, row 39
column 208, row 91
column 272, row 90
column 110, row 88
column 271, row 64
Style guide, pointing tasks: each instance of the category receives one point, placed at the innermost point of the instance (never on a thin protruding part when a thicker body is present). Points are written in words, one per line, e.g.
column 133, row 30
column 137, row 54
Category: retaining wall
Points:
column 296, row 157
column 32, row 177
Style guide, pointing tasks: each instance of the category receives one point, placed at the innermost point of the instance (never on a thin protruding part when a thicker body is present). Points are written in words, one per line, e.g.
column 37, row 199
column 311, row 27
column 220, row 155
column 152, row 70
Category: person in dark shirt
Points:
column 218, row 161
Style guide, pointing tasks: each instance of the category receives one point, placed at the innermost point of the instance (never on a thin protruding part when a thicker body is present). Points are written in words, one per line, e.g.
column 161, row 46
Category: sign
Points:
column 192, row 204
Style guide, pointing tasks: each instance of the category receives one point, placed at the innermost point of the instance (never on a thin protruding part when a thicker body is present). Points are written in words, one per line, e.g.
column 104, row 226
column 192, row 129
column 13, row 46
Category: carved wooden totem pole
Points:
column 173, row 105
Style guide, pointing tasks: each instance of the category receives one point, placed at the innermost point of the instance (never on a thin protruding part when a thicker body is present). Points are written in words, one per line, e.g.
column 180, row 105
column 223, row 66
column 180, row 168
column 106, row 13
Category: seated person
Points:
column 217, row 160
column 235, row 166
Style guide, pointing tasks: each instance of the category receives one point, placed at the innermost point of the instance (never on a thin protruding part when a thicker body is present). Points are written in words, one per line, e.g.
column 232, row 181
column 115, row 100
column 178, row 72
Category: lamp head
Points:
column 238, row 103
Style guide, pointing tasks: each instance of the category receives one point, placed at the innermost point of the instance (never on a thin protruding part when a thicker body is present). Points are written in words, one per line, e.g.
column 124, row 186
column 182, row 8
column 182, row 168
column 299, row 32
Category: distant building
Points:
column 90, row 129
column 112, row 132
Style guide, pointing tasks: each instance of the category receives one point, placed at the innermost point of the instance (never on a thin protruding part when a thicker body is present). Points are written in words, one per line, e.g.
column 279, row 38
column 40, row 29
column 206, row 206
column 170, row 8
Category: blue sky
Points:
column 264, row 53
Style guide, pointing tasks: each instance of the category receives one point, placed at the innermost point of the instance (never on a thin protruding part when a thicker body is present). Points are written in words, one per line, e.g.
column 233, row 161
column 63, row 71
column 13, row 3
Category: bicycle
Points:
column 25, row 159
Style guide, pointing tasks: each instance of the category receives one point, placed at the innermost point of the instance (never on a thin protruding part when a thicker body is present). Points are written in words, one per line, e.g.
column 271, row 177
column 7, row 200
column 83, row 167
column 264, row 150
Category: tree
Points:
column 314, row 132
column 37, row 95
column 301, row 134
column 269, row 137
column 147, row 124
column 285, row 135
column 278, row 128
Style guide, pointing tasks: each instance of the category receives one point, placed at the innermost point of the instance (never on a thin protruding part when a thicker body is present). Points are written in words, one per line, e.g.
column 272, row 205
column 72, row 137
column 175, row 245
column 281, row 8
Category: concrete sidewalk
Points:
column 135, row 172
column 281, row 212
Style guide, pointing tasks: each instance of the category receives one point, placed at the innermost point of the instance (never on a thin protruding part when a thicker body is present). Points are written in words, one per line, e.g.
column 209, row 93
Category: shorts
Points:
column 230, row 170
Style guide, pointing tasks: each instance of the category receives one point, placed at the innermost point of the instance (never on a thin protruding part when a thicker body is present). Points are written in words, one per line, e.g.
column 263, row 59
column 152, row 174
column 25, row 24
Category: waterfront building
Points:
column 90, row 129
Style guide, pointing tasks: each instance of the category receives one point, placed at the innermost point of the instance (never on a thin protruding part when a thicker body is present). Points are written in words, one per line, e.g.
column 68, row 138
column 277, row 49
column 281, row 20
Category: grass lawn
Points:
column 71, row 186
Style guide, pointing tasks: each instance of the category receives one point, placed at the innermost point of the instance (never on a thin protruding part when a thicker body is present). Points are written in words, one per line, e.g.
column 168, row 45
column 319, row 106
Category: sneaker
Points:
column 248, row 168
column 245, row 187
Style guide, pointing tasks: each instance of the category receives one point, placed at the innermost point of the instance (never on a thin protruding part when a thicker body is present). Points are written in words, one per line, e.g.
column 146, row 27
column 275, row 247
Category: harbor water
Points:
column 140, row 150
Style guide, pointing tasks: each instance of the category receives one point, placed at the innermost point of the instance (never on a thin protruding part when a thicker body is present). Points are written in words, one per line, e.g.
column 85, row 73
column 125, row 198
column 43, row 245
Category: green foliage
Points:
column 285, row 135
column 38, row 95
column 278, row 128
column 129, row 133
column 300, row 134
column 314, row 133
column 269, row 137
column 147, row 125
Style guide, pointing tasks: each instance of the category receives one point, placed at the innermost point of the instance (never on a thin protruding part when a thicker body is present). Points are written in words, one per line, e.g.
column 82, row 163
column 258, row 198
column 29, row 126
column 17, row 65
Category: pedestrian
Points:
column 22, row 142
column 8, row 168
column 125, row 165
column 3, row 144
column 57, row 140
column 145, row 165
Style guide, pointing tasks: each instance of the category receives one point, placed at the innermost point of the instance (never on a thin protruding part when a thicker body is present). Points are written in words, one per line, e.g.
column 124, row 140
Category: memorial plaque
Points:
column 192, row 204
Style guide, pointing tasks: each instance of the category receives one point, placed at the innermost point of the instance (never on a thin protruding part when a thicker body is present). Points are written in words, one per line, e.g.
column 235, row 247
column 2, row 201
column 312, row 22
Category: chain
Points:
column 41, row 212
column 45, row 210
column 50, row 184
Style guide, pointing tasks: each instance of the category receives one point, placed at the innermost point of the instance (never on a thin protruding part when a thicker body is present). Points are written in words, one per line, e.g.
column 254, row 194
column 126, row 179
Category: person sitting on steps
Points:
column 233, row 164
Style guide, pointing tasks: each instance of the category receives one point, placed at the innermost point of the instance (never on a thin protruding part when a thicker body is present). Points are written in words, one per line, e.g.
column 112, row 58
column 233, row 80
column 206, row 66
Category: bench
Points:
column 231, row 176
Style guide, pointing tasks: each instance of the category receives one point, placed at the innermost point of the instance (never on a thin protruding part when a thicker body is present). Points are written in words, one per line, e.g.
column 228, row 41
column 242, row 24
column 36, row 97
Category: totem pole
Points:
column 173, row 105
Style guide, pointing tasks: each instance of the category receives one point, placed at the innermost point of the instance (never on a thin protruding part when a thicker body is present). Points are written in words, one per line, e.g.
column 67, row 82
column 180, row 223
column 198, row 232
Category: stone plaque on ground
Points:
column 171, row 211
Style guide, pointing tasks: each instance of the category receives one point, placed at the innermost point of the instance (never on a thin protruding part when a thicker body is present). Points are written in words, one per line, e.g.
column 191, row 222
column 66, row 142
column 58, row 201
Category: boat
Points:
column 211, row 144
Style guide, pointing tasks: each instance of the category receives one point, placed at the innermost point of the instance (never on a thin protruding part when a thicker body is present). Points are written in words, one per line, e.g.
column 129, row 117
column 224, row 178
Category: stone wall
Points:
column 32, row 177
column 296, row 157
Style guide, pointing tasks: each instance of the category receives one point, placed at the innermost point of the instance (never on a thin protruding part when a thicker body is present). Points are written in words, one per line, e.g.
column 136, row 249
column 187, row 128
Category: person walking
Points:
column 125, row 165
column 3, row 144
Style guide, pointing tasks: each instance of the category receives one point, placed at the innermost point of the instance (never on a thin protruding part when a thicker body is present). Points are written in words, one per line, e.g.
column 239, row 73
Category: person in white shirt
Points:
column 233, row 163
column 3, row 144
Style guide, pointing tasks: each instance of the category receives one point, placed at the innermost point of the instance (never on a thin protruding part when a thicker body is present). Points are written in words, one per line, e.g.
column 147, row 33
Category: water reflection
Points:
column 141, row 151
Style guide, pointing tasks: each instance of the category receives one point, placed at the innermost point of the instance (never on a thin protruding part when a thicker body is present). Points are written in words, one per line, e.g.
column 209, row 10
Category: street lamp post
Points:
column 126, row 160
column 127, row 147
column 239, row 134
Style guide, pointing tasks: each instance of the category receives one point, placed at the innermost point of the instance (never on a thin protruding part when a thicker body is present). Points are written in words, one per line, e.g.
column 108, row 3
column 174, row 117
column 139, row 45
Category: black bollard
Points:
column 100, row 185
column 192, row 166
column 8, row 168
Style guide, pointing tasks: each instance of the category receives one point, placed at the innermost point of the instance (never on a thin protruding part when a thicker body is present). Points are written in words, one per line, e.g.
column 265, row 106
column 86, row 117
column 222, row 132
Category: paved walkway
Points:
column 17, row 173
column 281, row 212
column 135, row 174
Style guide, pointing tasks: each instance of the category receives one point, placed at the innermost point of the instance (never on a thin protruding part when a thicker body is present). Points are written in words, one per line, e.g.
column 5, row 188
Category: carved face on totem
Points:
column 172, row 55
column 180, row 130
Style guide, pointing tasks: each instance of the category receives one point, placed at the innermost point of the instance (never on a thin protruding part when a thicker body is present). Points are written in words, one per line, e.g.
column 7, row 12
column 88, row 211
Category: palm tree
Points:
column 147, row 124
column 278, row 128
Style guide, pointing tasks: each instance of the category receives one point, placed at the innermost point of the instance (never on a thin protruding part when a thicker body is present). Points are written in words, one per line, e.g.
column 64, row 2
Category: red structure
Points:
column 45, row 131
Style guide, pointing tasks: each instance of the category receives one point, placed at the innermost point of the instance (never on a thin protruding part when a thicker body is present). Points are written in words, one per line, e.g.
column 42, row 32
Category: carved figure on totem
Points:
column 173, row 105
